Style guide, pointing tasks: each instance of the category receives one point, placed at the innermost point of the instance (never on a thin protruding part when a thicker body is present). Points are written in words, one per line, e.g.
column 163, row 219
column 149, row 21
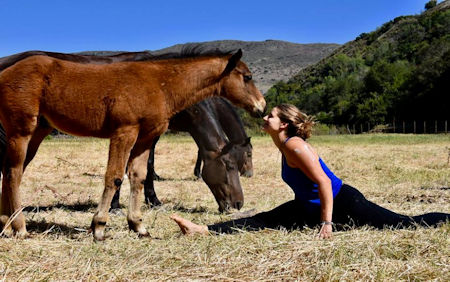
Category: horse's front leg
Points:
column 149, row 189
column 198, row 165
column 119, row 151
column 11, row 216
column 137, row 172
column 43, row 130
column 151, row 161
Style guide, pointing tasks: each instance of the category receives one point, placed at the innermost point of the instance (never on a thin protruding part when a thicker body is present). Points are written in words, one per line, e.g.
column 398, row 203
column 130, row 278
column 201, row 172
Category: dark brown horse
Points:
column 130, row 103
column 231, row 196
column 203, row 122
column 220, row 170
column 220, row 109
column 233, row 127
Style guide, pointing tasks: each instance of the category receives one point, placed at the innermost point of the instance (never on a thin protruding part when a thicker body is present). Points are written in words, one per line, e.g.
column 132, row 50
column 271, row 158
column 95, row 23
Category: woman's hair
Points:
column 299, row 123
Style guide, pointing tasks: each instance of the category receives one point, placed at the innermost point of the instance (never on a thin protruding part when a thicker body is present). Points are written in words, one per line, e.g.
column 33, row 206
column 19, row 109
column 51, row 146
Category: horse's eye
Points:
column 247, row 78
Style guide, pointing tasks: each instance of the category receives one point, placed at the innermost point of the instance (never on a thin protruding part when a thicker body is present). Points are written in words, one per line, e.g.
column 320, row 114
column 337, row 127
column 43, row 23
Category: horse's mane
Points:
column 192, row 50
column 232, row 110
column 212, row 117
column 227, row 116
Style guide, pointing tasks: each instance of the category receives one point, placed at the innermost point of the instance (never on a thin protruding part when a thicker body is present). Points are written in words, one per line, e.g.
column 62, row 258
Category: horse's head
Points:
column 220, row 172
column 243, row 155
column 237, row 86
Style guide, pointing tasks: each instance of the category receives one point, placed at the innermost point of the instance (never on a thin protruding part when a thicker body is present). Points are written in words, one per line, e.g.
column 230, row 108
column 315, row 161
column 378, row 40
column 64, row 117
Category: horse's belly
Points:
column 78, row 127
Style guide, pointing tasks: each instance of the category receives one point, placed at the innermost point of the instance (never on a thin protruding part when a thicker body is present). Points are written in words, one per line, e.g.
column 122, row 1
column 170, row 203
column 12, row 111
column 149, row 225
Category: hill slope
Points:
column 272, row 60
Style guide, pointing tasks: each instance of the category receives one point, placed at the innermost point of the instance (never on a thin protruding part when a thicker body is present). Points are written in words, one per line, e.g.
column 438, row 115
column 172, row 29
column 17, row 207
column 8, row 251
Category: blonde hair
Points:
column 299, row 123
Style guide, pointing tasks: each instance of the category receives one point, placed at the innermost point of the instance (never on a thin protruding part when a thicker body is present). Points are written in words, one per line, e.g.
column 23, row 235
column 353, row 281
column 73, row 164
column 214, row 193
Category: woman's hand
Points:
column 325, row 231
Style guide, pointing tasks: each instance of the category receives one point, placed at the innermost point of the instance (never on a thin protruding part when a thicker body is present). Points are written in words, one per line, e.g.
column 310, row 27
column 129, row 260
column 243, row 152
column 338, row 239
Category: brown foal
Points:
column 128, row 102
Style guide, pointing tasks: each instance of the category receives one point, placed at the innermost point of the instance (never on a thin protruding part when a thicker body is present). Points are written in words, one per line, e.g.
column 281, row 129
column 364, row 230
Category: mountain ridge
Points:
column 270, row 61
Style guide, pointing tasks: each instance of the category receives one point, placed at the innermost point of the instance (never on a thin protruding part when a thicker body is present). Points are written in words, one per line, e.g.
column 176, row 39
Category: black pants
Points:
column 350, row 208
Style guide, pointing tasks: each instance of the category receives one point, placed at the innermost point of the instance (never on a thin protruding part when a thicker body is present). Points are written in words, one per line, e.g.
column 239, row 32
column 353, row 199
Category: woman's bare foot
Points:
column 188, row 227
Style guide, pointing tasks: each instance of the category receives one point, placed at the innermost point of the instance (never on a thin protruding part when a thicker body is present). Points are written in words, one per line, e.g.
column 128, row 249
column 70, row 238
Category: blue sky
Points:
column 73, row 26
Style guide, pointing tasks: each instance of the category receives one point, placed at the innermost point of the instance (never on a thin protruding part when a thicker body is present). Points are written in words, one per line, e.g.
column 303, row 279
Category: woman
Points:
column 320, row 197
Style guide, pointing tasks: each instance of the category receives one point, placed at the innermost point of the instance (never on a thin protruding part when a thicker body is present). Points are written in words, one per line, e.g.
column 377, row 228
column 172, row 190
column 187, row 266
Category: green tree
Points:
column 430, row 4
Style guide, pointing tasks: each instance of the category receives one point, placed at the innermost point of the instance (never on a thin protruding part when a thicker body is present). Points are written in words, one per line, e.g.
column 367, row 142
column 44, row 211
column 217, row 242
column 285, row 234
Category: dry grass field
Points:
column 406, row 173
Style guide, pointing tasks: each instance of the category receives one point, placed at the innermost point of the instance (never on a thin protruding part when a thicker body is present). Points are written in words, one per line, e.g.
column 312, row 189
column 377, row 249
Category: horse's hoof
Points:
column 145, row 234
column 138, row 227
column 152, row 203
column 100, row 239
column 99, row 236
column 8, row 232
column 156, row 203
column 98, row 230
column 22, row 235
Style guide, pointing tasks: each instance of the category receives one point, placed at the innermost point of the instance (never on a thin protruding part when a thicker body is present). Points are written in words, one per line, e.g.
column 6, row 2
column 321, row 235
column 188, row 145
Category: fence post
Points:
column 393, row 123
column 368, row 127
column 361, row 127
column 414, row 127
column 445, row 126
column 403, row 127
column 354, row 131
column 435, row 126
column 424, row 127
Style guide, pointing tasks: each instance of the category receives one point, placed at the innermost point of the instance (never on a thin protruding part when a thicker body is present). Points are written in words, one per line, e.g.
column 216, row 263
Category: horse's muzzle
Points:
column 225, row 207
column 247, row 173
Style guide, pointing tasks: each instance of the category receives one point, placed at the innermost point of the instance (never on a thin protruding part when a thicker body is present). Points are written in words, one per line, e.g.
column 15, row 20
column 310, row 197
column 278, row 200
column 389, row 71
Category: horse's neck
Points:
column 208, row 134
column 192, row 81
column 229, row 120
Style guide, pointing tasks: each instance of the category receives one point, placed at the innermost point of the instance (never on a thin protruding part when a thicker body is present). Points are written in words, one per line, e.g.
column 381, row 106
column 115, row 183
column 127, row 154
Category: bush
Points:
column 430, row 4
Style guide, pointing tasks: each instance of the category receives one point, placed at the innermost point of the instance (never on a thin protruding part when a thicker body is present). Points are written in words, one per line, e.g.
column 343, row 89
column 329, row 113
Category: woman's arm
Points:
column 299, row 154
column 326, row 206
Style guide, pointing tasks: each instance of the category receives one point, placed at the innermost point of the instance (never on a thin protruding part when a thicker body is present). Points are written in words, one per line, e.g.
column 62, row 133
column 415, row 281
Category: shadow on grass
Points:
column 74, row 207
column 40, row 227
column 192, row 178
column 435, row 188
column 199, row 209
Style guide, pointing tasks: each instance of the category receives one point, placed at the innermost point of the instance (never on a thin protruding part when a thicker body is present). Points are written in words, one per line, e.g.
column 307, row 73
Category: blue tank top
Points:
column 304, row 188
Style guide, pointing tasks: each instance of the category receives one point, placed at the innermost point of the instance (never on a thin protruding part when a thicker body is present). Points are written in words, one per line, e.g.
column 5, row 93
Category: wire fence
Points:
column 411, row 126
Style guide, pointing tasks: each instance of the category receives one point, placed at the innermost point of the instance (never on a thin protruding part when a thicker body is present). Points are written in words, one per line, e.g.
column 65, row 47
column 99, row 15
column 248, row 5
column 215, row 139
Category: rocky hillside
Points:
column 270, row 60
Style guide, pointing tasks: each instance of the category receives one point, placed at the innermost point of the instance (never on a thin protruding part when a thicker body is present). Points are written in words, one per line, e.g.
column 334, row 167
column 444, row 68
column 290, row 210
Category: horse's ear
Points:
column 226, row 148
column 232, row 62
column 247, row 141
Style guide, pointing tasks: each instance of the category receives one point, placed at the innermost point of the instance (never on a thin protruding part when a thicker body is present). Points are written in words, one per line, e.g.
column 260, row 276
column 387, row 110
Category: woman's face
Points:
column 272, row 122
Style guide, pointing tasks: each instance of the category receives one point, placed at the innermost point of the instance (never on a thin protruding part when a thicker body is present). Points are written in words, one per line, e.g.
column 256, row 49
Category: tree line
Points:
column 399, row 71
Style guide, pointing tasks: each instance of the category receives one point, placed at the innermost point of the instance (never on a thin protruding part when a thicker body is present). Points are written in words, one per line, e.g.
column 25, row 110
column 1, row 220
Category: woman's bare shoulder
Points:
column 299, row 150
column 295, row 143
